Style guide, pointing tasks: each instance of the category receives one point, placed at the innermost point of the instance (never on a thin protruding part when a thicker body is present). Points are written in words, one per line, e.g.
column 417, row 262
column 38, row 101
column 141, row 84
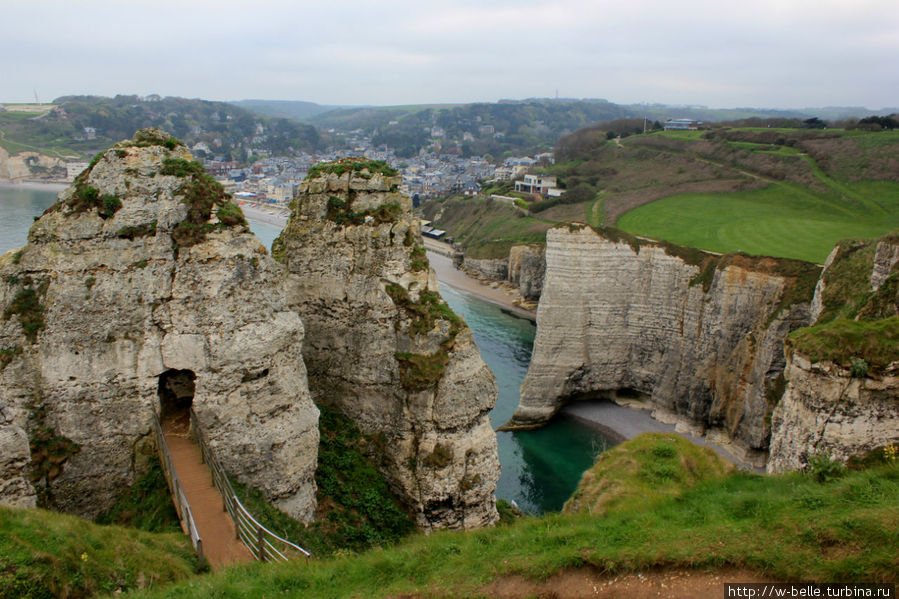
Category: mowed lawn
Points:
column 779, row 220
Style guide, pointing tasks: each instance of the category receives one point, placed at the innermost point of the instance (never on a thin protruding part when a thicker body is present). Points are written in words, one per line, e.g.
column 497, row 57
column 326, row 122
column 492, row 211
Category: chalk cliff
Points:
column 523, row 269
column 384, row 349
column 842, row 396
column 30, row 165
column 141, row 287
column 696, row 337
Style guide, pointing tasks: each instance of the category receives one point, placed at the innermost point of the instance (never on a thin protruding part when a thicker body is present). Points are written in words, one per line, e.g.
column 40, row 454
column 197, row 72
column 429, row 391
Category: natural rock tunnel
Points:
column 176, row 395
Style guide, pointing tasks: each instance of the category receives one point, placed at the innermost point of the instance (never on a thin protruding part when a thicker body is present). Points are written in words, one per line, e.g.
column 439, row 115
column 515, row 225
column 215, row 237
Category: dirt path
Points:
column 220, row 544
column 585, row 582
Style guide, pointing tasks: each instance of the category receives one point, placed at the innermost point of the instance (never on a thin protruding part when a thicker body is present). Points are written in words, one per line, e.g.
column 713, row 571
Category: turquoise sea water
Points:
column 18, row 207
column 540, row 469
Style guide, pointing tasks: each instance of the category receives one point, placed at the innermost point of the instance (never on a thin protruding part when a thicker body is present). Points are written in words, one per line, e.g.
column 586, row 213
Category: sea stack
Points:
column 384, row 349
column 143, row 289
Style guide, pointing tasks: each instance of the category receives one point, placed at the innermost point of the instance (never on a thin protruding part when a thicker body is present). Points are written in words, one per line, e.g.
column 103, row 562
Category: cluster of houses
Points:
column 273, row 179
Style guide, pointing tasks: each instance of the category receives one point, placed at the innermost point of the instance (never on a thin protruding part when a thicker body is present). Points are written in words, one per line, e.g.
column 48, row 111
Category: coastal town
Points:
column 268, row 181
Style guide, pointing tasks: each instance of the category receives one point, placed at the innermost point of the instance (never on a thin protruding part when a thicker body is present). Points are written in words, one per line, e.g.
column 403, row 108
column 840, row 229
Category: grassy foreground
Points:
column 46, row 554
column 788, row 527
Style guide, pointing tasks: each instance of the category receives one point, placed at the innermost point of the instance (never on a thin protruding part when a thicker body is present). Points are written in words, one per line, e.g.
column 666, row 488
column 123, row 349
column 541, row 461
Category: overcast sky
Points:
column 760, row 53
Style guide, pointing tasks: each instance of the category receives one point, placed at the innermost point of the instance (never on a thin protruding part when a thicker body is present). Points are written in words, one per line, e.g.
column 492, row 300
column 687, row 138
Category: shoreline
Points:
column 35, row 185
column 275, row 216
column 626, row 422
column 450, row 275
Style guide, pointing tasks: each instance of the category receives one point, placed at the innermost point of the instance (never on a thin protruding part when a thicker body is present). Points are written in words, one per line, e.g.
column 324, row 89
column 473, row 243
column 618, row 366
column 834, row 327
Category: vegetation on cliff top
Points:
column 785, row 527
column 202, row 194
column 845, row 341
column 858, row 328
column 362, row 167
column 341, row 212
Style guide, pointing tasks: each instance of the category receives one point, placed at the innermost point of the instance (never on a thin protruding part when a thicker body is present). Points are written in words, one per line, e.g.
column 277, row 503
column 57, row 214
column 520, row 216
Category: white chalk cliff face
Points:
column 696, row 338
column 383, row 349
column 141, row 272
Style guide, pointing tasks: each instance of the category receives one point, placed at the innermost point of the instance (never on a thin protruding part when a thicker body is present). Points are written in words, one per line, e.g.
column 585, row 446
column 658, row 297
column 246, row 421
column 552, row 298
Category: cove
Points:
column 540, row 468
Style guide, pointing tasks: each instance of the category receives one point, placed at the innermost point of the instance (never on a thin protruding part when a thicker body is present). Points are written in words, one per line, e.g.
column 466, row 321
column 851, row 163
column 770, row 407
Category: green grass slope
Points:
column 858, row 327
column 487, row 228
column 805, row 193
column 788, row 527
column 45, row 554
column 649, row 468
column 790, row 193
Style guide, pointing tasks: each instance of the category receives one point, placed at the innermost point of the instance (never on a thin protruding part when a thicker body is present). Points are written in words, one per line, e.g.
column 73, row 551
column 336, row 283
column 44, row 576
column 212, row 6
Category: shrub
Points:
column 230, row 214
column 135, row 231
column 109, row 205
column 356, row 509
column 858, row 367
column 823, row 468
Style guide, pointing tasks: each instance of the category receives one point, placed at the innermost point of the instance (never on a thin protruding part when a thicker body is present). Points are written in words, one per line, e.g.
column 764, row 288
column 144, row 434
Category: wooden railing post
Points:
column 260, row 539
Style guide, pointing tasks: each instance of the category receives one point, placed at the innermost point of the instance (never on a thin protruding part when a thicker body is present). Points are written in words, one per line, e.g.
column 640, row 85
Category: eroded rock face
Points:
column 150, row 273
column 826, row 411
column 496, row 269
column 527, row 267
column 700, row 344
column 836, row 404
column 383, row 349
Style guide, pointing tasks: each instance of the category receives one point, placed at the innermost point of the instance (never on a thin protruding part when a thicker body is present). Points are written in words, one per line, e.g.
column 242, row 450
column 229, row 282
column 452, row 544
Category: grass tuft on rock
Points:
column 843, row 340
column 360, row 166
column 26, row 305
column 202, row 194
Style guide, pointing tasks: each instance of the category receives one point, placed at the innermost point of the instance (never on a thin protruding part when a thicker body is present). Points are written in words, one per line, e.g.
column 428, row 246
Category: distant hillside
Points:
column 284, row 109
column 516, row 127
column 81, row 126
column 786, row 192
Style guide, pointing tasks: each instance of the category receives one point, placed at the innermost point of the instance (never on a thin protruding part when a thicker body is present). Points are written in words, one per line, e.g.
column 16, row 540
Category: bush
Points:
column 823, row 468
column 109, row 205
column 858, row 367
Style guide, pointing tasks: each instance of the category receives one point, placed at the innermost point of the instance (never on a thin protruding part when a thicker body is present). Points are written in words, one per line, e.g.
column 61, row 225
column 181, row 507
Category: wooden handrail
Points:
column 179, row 498
column 261, row 542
